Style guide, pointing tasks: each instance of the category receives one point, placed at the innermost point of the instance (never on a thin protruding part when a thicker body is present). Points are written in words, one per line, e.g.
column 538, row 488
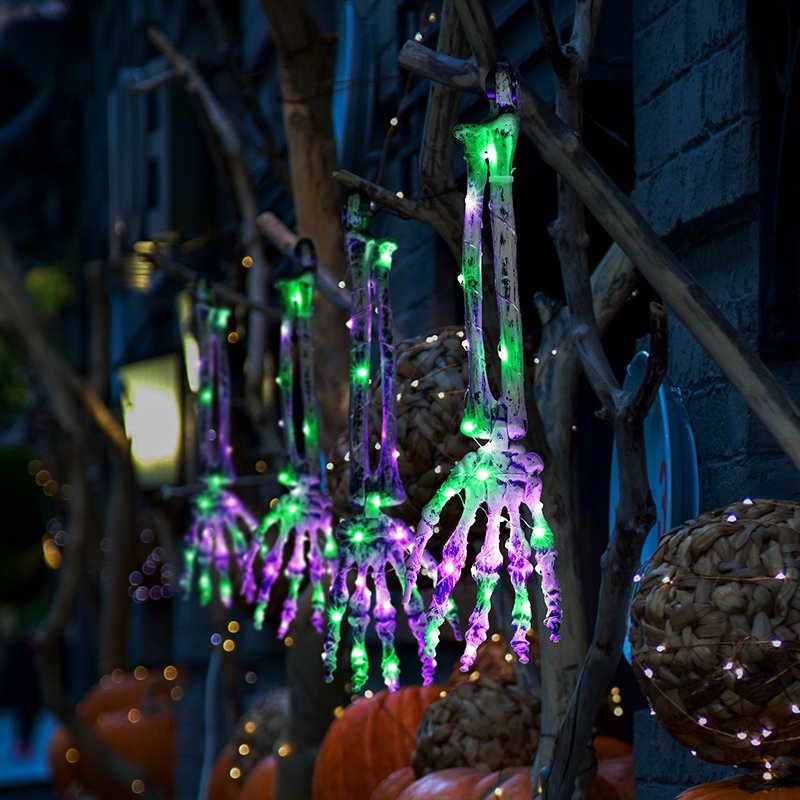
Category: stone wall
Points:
column 696, row 116
column 696, row 99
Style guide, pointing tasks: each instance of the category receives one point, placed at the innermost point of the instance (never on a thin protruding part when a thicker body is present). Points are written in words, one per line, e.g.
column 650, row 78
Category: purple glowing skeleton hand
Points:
column 304, row 515
column 221, row 526
column 371, row 542
column 500, row 475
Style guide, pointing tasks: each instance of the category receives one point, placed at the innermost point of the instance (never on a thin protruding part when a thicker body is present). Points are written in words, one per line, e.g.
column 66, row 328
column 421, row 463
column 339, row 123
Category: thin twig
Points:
column 284, row 240
column 228, row 144
column 550, row 37
column 221, row 290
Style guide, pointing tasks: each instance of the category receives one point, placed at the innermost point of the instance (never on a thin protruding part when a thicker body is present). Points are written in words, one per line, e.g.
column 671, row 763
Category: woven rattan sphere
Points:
column 481, row 724
column 431, row 382
column 715, row 633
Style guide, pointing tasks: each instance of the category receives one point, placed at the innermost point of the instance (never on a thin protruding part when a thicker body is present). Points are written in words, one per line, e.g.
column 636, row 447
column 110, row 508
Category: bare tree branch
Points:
column 550, row 37
column 306, row 76
column 584, row 33
column 284, row 240
column 564, row 151
column 641, row 400
column 228, row 143
column 245, row 89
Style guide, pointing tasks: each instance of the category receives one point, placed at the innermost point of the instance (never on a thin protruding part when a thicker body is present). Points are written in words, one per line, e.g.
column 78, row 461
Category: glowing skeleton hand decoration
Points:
column 371, row 541
column 220, row 524
column 303, row 514
column 500, row 475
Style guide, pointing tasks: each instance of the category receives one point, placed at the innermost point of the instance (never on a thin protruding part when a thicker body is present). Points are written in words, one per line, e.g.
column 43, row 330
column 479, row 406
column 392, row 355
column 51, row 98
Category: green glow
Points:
column 331, row 550
column 205, row 503
column 357, row 536
column 286, row 477
column 375, row 499
column 206, row 395
column 502, row 352
column 204, row 584
column 336, row 616
column 318, row 596
column 216, row 482
column 358, row 655
column 467, row 426
column 222, row 315
column 482, row 474
column 225, row 589
column 386, row 248
column 541, row 535
column 361, row 372
column 293, row 509
column 297, row 295
column 491, row 153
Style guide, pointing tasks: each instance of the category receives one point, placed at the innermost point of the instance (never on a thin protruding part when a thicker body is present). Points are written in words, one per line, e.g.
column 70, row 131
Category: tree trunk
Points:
column 304, row 54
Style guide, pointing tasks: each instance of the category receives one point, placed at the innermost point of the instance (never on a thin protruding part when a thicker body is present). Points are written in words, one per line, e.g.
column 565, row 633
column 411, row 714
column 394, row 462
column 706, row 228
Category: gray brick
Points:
column 718, row 417
column 668, row 122
column 662, row 766
column 726, row 263
column 726, row 91
column 711, row 25
column 659, row 52
column 771, row 476
column 722, row 482
column 645, row 11
column 724, row 170
column 659, row 196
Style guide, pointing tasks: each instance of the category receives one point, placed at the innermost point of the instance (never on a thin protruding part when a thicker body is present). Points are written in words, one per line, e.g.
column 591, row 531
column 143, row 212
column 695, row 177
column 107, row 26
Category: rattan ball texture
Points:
column 481, row 724
column 432, row 378
column 715, row 633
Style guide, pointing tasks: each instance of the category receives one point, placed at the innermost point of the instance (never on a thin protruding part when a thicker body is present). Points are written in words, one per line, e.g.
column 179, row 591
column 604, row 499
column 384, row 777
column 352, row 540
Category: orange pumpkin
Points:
column 391, row 787
column 62, row 773
column 613, row 781
column 135, row 719
column 260, row 782
column 371, row 739
column 743, row 787
column 122, row 691
column 220, row 784
column 148, row 743
column 458, row 783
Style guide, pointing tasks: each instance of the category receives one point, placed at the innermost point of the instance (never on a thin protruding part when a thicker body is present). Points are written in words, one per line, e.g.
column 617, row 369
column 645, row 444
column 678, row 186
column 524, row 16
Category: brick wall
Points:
column 696, row 134
column 696, row 121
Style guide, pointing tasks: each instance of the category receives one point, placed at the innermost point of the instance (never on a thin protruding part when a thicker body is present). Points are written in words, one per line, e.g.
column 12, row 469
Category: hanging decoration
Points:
column 303, row 515
column 220, row 526
column 501, row 475
column 371, row 541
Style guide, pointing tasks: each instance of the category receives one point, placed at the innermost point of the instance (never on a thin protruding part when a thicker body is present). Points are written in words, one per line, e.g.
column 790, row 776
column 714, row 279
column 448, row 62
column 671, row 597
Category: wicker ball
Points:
column 259, row 730
column 715, row 633
column 431, row 381
column 481, row 724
